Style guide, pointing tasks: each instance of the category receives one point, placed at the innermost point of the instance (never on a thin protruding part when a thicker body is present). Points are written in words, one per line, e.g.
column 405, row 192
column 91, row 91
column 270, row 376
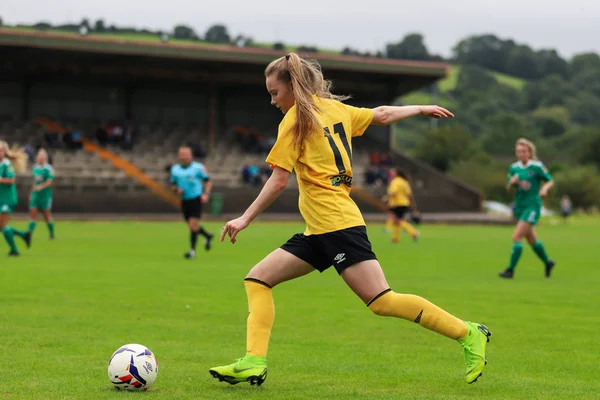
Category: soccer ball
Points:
column 132, row 367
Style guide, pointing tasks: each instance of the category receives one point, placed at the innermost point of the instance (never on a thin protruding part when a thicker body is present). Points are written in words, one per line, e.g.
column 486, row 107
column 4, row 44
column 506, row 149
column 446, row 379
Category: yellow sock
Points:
column 261, row 314
column 419, row 310
column 396, row 235
column 408, row 228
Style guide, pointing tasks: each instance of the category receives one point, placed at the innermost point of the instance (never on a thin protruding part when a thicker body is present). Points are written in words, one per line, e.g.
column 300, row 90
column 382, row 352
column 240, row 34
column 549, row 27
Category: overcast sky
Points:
column 569, row 26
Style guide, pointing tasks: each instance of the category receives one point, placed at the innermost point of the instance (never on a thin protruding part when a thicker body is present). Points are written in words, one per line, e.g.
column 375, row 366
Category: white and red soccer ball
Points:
column 132, row 367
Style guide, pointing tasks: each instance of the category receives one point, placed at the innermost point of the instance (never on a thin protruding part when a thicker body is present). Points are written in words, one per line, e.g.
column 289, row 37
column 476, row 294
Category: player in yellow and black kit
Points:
column 399, row 198
column 315, row 141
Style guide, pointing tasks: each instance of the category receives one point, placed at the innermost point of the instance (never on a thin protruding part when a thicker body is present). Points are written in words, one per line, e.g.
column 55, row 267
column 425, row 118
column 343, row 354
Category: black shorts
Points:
column 341, row 249
column 191, row 208
column 399, row 211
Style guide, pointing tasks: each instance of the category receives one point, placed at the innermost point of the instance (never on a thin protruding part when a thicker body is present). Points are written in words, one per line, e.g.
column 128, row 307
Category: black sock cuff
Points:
column 259, row 282
column 378, row 296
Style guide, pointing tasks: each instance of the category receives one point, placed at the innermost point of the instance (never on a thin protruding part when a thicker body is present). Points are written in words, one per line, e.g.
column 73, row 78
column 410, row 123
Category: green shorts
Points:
column 531, row 215
column 43, row 202
column 6, row 208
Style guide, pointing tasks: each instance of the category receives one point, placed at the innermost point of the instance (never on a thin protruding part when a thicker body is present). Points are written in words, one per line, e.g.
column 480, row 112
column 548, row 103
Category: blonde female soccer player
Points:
column 399, row 198
column 533, row 181
column 10, row 160
column 41, row 192
column 315, row 140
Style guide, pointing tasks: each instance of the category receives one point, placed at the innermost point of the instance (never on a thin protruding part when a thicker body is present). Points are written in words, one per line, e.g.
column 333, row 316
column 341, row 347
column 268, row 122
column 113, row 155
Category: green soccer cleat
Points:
column 474, row 344
column 252, row 369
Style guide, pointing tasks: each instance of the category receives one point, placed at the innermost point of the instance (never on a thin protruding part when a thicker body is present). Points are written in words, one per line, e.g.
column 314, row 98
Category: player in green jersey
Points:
column 41, row 192
column 533, row 181
column 10, row 160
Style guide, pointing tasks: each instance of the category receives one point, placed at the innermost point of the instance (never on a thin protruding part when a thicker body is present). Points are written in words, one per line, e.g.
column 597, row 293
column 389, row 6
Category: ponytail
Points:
column 16, row 155
column 306, row 80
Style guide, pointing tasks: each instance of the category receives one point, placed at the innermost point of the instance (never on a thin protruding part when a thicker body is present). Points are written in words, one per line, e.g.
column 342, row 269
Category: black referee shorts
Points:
column 399, row 212
column 191, row 208
column 341, row 249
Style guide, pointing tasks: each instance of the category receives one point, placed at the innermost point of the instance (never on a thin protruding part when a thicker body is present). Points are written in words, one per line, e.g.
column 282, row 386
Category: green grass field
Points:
column 67, row 305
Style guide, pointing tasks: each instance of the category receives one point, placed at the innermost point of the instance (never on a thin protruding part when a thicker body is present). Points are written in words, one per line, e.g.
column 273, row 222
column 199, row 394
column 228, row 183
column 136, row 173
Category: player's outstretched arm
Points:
column 386, row 115
column 274, row 186
column 545, row 188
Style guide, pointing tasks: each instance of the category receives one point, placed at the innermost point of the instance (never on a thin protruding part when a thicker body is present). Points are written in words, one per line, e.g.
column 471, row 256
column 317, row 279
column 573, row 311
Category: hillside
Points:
column 448, row 84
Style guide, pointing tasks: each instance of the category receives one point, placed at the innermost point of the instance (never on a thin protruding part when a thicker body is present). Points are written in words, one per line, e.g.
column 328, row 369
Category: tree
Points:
column 217, row 34
column 1, row 21
column 444, row 146
column 307, row 49
column 99, row 26
column 584, row 108
column 412, row 47
column 555, row 91
column 85, row 24
column 522, row 62
column 588, row 79
column 487, row 51
column 184, row 32
column 243, row 41
column 583, row 62
column 502, row 131
column 42, row 26
column 349, row 51
column 582, row 185
column 588, row 148
column 550, row 63
column 473, row 78
column 278, row 46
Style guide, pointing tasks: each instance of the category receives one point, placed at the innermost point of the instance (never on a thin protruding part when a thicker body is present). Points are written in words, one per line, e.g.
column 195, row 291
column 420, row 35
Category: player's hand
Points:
column 204, row 198
column 179, row 191
column 513, row 180
column 436, row 112
column 36, row 188
column 543, row 193
column 233, row 227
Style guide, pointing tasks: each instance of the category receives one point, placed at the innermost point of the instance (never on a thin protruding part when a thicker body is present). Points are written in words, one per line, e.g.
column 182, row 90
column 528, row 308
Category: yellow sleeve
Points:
column 284, row 153
column 361, row 119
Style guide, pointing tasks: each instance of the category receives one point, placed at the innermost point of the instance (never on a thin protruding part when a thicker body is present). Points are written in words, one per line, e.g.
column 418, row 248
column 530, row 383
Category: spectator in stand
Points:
column 385, row 159
column 116, row 134
column 52, row 140
column 30, row 151
column 102, row 135
column 72, row 140
column 128, row 135
column 374, row 158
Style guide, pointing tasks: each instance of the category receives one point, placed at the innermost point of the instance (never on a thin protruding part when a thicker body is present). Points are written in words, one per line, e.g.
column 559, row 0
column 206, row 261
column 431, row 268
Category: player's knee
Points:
column 380, row 306
column 517, row 237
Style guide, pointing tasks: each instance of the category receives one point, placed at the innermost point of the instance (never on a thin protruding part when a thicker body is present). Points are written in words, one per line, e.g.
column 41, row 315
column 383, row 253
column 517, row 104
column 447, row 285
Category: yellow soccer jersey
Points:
column 399, row 192
column 323, row 165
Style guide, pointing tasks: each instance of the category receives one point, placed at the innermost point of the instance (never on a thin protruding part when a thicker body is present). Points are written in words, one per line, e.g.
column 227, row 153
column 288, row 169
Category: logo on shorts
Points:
column 339, row 258
column 5, row 209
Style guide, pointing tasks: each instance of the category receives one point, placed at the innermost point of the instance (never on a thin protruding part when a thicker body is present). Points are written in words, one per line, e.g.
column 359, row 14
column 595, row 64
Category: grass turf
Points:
column 68, row 304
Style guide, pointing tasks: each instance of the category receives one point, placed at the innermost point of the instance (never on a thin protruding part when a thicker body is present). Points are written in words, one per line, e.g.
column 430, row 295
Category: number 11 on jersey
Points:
column 338, row 129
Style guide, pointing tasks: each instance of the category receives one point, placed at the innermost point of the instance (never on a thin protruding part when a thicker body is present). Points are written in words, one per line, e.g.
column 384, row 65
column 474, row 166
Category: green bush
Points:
column 490, row 178
column 581, row 184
